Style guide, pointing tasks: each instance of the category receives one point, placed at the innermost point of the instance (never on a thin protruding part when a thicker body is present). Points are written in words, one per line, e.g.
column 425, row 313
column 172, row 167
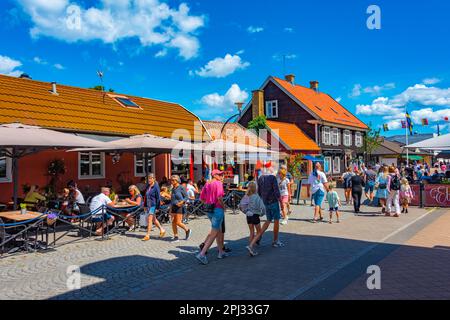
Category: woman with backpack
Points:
column 393, row 187
column 381, row 185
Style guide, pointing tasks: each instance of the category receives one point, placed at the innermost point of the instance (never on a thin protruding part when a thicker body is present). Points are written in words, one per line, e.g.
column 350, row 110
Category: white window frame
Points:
column 330, row 164
column 90, row 177
column 335, row 134
column 358, row 139
column 151, row 161
column 326, row 133
column 272, row 106
column 8, row 178
column 337, row 168
column 347, row 138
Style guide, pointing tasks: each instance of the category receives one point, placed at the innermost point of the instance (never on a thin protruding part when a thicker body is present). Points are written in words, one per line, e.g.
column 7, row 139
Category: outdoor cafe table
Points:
column 120, row 211
column 35, row 219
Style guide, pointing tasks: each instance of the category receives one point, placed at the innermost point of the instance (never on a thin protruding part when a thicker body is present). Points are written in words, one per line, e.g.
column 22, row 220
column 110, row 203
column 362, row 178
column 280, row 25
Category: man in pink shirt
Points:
column 212, row 195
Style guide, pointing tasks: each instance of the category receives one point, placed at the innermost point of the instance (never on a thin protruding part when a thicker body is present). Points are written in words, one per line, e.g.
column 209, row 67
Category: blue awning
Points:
column 313, row 159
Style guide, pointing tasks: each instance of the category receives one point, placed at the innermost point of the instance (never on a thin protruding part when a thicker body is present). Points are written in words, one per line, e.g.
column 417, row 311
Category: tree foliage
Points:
column 101, row 88
column 372, row 141
column 257, row 124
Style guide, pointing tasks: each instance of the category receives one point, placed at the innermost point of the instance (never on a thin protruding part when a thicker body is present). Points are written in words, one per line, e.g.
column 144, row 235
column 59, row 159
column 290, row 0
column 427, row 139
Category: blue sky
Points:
column 206, row 54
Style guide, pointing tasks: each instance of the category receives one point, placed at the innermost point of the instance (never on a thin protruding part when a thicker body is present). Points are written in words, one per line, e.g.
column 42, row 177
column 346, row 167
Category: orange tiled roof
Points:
column 233, row 132
column 91, row 111
column 293, row 136
column 322, row 104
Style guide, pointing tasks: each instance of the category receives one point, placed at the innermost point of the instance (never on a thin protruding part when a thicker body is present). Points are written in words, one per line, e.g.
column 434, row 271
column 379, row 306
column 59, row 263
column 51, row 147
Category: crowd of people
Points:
column 269, row 196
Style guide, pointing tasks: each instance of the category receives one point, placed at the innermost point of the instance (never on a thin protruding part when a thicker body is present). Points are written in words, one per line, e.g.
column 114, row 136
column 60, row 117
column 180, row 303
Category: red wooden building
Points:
column 94, row 114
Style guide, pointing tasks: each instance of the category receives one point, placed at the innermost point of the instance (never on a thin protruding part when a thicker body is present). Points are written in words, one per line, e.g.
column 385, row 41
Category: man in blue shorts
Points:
column 269, row 192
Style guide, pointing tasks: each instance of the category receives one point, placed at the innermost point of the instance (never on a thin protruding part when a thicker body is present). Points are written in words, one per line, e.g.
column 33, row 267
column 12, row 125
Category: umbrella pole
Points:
column 15, row 164
column 146, row 164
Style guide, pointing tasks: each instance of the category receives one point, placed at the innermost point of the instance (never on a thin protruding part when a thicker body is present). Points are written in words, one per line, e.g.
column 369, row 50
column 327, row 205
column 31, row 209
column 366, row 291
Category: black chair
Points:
column 7, row 237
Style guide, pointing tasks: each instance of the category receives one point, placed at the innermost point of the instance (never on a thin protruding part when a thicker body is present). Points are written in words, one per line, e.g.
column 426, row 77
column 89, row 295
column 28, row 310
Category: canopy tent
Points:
column 19, row 140
column 441, row 143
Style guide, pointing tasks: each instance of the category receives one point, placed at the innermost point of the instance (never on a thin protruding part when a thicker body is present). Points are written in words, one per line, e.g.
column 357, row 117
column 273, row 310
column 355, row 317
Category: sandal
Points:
column 162, row 234
column 146, row 238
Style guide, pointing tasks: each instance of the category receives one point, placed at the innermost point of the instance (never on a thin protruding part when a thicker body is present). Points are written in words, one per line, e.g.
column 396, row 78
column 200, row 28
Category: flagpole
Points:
column 406, row 135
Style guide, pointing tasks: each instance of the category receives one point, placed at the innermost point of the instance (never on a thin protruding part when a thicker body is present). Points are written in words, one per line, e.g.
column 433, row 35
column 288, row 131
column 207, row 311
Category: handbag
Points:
column 143, row 218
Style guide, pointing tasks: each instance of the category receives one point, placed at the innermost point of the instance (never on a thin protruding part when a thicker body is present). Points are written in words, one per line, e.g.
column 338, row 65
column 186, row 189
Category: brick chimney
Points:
column 257, row 103
column 290, row 78
column 314, row 85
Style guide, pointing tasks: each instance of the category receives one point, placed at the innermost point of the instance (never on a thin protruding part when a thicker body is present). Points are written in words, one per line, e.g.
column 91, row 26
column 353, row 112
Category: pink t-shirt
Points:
column 211, row 192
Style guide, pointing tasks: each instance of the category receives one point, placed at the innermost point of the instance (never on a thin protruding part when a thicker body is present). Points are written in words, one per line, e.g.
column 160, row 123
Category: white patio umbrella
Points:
column 441, row 143
column 243, row 151
column 24, row 140
column 146, row 144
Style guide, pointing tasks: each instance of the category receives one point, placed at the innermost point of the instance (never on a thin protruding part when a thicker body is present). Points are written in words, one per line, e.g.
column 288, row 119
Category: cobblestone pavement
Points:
column 417, row 270
column 127, row 268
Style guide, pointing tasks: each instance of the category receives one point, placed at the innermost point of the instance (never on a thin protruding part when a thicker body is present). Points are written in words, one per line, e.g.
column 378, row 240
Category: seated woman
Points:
column 33, row 197
column 165, row 197
column 135, row 200
column 64, row 201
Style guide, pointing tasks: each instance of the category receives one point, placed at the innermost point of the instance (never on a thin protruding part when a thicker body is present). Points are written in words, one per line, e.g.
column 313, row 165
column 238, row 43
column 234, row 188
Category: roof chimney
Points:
column 257, row 103
column 54, row 91
column 314, row 85
column 290, row 78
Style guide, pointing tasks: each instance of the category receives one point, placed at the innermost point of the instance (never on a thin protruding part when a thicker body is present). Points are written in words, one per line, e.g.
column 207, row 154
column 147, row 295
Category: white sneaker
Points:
column 283, row 222
column 278, row 244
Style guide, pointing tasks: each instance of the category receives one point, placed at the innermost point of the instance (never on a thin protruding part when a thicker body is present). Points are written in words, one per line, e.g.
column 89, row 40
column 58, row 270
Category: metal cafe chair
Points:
column 8, row 235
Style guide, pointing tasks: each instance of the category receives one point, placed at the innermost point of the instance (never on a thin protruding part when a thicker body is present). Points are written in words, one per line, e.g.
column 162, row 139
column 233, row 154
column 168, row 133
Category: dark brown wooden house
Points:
column 337, row 132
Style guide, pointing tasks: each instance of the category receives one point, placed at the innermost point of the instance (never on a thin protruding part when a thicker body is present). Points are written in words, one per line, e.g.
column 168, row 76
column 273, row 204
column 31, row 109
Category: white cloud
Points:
column 226, row 102
column 9, row 66
column 431, row 81
column 153, row 22
column 339, row 99
column 430, row 114
column 289, row 30
column 380, row 106
column 395, row 124
column 222, row 67
column 356, row 92
column 253, row 29
column 358, row 89
column 421, row 94
column 376, row 90
column 40, row 61
column 161, row 53
column 58, row 66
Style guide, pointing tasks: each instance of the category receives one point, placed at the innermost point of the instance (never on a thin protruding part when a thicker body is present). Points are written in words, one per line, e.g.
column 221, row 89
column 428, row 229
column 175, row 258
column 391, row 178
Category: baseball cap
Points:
column 216, row 172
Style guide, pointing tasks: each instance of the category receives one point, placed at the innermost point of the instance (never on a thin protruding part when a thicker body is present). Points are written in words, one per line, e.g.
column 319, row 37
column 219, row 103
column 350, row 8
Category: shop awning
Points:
column 414, row 157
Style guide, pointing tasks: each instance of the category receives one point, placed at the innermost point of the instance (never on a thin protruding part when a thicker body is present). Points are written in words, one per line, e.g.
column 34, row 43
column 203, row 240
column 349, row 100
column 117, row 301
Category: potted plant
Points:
column 23, row 208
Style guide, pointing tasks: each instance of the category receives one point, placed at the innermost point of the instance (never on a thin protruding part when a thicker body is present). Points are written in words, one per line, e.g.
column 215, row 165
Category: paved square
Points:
column 127, row 268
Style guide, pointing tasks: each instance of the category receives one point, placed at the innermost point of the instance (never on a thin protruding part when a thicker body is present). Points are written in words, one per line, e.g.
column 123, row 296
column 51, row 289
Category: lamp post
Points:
column 239, row 106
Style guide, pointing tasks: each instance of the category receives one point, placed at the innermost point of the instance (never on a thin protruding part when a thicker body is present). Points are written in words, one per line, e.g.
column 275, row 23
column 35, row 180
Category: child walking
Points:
column 254, row 208
column 334, row 202
column 406, row 195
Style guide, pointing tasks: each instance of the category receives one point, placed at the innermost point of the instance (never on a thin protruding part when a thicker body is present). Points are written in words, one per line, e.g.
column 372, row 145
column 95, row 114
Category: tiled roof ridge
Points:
column 72, row 87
